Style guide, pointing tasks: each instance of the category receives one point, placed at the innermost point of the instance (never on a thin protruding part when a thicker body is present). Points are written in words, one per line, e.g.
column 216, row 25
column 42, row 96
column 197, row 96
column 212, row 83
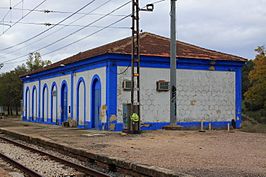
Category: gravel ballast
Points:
column 41, row 164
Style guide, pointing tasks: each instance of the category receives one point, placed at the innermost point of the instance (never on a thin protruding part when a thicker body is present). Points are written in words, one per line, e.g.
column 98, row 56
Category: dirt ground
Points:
column 213, row 153
column 3, row 173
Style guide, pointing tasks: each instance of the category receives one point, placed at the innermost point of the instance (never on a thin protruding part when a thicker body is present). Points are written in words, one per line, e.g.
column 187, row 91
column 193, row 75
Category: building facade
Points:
column 91, row 87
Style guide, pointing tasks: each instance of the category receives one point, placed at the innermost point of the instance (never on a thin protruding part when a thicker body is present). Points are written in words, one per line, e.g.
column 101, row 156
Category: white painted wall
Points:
column 58, row 81
column 82, row 107
column 29, row 107
column 208, row 95
column 87, row 75
column 55, row 104
column 45, row 96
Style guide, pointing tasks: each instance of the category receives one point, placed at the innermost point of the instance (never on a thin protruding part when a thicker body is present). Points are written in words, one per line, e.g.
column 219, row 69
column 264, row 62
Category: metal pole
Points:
column 134, row 127
column 173, row 65
column 132, row 64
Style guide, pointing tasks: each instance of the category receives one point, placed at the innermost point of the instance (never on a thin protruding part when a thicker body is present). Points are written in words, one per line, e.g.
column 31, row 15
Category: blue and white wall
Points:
column 206, row 90
column 201, row 95
column 43, row 102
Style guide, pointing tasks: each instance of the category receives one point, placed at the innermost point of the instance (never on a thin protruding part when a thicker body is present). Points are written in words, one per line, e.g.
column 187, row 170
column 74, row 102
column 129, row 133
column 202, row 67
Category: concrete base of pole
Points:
column 173, row 127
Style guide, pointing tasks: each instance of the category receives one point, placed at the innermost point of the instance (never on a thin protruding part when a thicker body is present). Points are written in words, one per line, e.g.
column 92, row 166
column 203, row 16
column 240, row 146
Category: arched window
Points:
column 34, row 103
column 81, row 101
column 27, row 103
column 45, row 103
column 54, row 103
column 95, row 102
column 64, row 102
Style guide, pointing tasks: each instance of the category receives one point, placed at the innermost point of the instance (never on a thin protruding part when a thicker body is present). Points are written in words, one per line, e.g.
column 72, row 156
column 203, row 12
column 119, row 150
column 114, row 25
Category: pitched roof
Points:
column 150, row 45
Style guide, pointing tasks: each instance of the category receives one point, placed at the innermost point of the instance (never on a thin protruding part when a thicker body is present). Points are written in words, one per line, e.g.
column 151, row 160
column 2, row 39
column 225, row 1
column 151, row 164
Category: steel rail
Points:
column 81, row 168
column 18, row 165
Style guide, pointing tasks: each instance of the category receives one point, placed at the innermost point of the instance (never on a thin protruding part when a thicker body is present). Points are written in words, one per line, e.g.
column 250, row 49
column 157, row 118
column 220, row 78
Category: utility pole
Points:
column 134, row 125
column 173, row 65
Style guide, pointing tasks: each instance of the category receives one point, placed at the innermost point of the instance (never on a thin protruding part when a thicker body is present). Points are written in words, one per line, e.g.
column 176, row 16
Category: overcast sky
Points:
column 231, row 26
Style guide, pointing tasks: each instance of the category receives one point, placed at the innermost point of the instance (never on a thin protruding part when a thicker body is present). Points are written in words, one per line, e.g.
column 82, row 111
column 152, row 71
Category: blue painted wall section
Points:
column 238, row 103
column 111, row 92
column 112, row 61
column 72, row 94
column 190, row 125
column 39, row 100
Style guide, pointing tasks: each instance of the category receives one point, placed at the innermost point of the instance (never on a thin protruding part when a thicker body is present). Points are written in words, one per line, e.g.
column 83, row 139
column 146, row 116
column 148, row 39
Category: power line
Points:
column 48, row 35
column 58, row 12
column 23, row 17
column 49, row 28
column 159, row 1
column 76, row 32
column 9, row 9
column 83, row 38
column 51, row 24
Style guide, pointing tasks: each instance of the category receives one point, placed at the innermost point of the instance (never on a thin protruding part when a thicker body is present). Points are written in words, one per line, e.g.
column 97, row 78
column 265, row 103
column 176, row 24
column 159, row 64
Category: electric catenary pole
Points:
column 134, row 122
column 173, row 65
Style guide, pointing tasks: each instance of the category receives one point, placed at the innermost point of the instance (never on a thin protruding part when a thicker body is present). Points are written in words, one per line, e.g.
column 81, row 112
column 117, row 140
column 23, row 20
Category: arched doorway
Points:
column 64, row 113
column 45, row 103
column 96, row 102
column 34, row 104
column 54, row 102
column 81, row 102
column 27, row 104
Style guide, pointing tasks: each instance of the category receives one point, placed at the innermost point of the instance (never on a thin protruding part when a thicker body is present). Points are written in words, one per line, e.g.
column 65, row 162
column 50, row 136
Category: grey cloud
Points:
column 232, row 26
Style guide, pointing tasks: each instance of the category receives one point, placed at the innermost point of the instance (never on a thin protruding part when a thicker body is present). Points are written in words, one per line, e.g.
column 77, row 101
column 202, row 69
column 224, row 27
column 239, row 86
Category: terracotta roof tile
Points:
column 151, row 45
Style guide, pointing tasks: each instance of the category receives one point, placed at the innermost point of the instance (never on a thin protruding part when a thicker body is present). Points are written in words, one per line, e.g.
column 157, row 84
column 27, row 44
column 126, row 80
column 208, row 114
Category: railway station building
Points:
column 93, row 87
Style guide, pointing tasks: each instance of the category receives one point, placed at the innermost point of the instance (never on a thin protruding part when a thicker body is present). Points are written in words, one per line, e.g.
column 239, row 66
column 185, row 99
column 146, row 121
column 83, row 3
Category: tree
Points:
column 255, row 96
column 245, row 75
column 11, row 86
column 35, row 62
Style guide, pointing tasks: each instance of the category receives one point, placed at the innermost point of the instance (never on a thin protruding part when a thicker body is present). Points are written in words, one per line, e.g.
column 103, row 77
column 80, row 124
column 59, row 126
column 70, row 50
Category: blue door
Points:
column 96, row 104
column 64, row 103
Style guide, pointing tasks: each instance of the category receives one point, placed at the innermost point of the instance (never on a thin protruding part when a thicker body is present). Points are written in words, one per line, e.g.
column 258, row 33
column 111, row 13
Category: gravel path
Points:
column 213, row 153
column 38, row 163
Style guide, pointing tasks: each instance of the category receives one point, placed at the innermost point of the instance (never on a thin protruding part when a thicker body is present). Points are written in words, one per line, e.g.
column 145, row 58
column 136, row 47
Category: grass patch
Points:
column 253, row 127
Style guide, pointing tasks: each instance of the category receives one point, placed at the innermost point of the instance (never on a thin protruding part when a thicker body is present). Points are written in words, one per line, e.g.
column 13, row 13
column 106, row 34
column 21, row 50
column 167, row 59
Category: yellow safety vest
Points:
column 135, row 117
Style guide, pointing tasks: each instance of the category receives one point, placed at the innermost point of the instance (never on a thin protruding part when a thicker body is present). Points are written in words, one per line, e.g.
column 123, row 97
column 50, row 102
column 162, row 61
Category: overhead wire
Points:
column 9, row 10
column 72, row 33
column 56, row 11
column 50, row 24
column 45, row 37
column 23, row 17
column 125, row 70
column 83, row 38
column 86, row 5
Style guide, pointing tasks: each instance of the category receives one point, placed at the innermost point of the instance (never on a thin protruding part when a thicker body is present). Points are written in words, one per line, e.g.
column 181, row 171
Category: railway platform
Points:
column 155, row 153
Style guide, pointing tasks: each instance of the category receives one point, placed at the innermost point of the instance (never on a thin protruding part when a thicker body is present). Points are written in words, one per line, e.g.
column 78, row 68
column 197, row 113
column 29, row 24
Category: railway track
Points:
column 80, row 168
